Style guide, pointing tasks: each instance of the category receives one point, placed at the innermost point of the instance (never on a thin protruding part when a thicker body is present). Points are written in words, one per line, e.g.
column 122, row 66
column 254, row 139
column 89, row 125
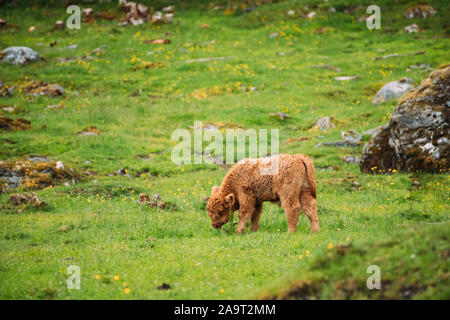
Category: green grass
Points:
column 97, row 224
column 413, row 264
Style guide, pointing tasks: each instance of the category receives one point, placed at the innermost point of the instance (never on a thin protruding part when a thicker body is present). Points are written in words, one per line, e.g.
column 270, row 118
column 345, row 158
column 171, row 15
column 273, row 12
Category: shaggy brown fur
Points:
column 244, row 188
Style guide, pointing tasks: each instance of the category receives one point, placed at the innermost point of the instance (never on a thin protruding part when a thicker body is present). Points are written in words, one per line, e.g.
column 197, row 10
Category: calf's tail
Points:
column 310, row 174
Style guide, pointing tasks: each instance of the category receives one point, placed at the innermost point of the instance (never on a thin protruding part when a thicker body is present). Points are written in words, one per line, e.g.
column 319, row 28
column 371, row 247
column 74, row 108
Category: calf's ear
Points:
column 230, row 199
column 214, row 189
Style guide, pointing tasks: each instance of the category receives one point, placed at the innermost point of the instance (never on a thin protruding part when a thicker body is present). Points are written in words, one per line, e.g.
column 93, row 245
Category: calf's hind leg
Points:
column 291, row 207
column 309, row 207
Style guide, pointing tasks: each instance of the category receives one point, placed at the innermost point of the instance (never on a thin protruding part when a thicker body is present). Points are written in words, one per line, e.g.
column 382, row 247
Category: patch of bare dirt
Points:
column 156, row 201
column 89, row 131
column 11, row 124
column 42, row 88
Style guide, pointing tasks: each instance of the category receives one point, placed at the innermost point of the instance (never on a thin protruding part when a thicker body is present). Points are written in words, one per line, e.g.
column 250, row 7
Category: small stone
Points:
column 9, row 108
column 59, row 165
column 274, row 35
column 169, row 9
column 88, row 14
column 347, row 78
column 157, row 17
column 414, row 28
column 280, row 115
column 210, row 127
column 54, row 106
column 168, row 18
column 59, row 25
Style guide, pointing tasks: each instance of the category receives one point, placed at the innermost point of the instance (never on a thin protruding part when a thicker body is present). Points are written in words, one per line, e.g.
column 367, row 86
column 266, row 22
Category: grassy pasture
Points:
column 125, row 250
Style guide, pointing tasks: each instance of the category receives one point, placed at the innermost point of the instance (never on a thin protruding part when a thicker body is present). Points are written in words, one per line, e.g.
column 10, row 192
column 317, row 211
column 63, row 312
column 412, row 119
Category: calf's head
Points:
column 219, row 207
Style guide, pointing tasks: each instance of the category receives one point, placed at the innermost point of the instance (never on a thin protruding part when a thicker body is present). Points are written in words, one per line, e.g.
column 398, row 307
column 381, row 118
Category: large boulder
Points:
column 19, row 55
column 417, row 137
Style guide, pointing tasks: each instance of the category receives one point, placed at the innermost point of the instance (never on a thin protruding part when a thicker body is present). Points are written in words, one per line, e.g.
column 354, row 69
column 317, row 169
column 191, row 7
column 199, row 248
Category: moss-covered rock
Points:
column 417, row 137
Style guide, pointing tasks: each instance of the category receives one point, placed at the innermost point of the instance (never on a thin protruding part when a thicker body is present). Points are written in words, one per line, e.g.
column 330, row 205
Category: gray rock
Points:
column 351, row 136
column 339, row 144
column 20, row 55
column 323, row 124
column 351, row 159
column 9, row 109
column 210, row 127
column 422, row 66
column 59, row 165
column 372, row 131
column 414, row 28
column 328, row 168
column 311, row 15
column 11, row 179
column 417, row 137
column 393, row 90
column 54, row 106
column 87, row 133
column 347, row 78
column 39, row 158
column 420, row 11
column 280, row 115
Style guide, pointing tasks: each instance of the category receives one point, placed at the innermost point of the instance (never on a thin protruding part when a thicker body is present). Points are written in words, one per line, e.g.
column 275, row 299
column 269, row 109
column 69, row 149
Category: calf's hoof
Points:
column 315, row 228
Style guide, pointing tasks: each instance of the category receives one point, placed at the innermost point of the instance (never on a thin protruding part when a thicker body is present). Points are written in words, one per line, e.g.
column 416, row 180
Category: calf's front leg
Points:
column 255, row 217
column 246, row 210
